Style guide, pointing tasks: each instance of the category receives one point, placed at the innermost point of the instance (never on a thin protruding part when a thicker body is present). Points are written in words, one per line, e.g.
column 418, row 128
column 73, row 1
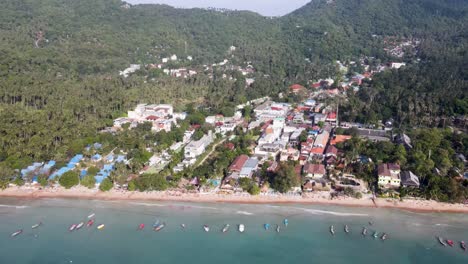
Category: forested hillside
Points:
column 59, row 62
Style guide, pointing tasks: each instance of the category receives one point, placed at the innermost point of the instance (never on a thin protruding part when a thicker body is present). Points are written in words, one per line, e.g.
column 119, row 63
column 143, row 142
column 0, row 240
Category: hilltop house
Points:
column 389, row 175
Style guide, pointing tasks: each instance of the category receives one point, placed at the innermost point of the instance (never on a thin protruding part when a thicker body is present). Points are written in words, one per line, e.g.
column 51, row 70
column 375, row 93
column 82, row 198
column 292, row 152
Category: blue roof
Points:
column 76, row 159
column 110, row 157
column 120, row 158
column 97, row 145
column 34, row 179
column 99, row 179
column 83, row 173
column 59, row 173
column 96, row 157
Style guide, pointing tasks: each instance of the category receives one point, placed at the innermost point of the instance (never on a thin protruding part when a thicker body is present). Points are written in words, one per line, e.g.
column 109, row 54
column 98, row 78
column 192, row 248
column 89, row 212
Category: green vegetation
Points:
column 106, row 185
column 249, row 186
column 58, row 93
column 69, row 179
column 88, row 181
column 433, row 159
column 285, row 179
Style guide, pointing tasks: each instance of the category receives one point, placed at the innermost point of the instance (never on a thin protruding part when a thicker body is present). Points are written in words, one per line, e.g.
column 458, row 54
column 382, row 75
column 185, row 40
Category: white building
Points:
column 174, row 57
column 196, row 148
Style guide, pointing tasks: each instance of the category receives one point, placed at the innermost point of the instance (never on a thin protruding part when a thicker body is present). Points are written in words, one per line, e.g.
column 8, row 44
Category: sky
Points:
column 263, row 7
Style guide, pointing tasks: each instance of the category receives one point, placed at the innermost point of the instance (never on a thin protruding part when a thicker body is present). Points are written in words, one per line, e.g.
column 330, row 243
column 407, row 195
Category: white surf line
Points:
column 14, row 206
column 315, row 211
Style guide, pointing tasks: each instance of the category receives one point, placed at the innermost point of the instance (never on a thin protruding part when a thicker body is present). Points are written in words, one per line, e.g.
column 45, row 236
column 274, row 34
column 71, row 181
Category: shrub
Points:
column 106, row 185
column 69, row 179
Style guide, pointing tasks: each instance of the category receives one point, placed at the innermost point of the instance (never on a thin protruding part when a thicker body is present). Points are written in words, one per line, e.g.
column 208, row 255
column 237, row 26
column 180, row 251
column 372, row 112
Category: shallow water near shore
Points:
column 411, row 236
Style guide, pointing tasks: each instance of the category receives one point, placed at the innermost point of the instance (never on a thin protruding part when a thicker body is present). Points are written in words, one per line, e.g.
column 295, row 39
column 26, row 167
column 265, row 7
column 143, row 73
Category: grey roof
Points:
column 409, row 179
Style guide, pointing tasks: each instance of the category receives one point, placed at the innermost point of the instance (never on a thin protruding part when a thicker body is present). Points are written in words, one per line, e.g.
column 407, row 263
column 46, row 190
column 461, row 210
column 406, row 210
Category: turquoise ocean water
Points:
column 307, row 239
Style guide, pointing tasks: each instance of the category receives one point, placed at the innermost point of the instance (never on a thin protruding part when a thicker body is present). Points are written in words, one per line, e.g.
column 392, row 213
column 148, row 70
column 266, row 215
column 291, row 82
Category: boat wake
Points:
column 322, row 212
column 149, row 204
column 14, row 206
column 244, row 213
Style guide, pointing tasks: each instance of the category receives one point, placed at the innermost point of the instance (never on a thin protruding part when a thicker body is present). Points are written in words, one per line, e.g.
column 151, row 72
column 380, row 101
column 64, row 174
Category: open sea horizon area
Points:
column 411, row 236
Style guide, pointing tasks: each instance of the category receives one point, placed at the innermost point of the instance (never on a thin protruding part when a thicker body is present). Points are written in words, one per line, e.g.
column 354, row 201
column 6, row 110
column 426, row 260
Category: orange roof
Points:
column 296, row 87
column 339, row 138
column 317, row 150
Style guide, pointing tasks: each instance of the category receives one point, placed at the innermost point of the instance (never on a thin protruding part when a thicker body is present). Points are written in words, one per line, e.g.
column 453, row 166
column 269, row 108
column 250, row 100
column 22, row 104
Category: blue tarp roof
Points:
column 59, row 173
column 96, row 157
column 83, row 173
column 120, row 158
column 76, row 159
column 99, row 179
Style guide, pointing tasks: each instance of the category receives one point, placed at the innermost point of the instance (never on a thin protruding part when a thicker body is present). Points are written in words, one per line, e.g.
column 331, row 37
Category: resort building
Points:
column 316, row 171
column 389, row 175
column 196, row 148
column 249, row 168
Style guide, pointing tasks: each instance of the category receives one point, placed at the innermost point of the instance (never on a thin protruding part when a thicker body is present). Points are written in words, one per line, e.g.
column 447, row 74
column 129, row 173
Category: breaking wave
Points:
column 322, row 212
column 14, row 206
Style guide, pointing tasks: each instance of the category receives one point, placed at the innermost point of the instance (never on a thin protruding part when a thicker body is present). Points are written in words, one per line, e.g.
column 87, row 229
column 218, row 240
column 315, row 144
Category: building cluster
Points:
column 161, row 116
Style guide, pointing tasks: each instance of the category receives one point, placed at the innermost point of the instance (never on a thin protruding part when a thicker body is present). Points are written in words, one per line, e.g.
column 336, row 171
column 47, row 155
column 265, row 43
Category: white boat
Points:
column 100, row 227
column 206, row 228
column 277, row 228
column 91, row 215
column 376, row 234
column 241, row 228
column 36, row 225
column 182, row 226
column 346, row 228
column 225, row 228
column 285, row 221
column 17, row 233
column 332, row 230
column 364, row 231
column 159, row 227
column 80, row 225
column 441, row 241
column 72, row 227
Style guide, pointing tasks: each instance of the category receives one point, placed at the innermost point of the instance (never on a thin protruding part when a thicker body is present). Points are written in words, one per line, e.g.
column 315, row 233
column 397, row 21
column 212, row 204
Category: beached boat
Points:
column 241, row 228
column 159, row 227
column 364, row 231
column 91, row 215
column 449, row 242
column 141, row 226
column 463, row 245
column 277, row 228
column 36, row 225
column 225, row 228
column 100, row 227
column 17, row 233
column 346, row 228
column 206, row 228
column 266, row 226
column 332, row 230
column 384, row 236
column 441, row 241
column 72, row 228
column 285, row 222
column 376, row 234
column 90, row 223
column 79, row 226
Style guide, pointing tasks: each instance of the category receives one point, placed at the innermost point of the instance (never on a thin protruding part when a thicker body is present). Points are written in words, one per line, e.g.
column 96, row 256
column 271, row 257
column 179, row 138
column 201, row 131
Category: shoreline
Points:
column 80, row 193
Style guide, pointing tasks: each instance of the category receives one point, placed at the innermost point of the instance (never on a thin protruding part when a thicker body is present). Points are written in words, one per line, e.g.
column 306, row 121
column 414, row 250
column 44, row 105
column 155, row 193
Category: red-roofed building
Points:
column 152, row 118
column 331, row 151
column 316, row 85
column 331, row 117
column 230, row 146
column 296, row 88
column 238, row 163
column 314, row 170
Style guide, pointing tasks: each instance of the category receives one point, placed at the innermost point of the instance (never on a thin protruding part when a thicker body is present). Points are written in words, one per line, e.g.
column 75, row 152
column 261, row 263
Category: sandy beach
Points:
column 321, row 198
